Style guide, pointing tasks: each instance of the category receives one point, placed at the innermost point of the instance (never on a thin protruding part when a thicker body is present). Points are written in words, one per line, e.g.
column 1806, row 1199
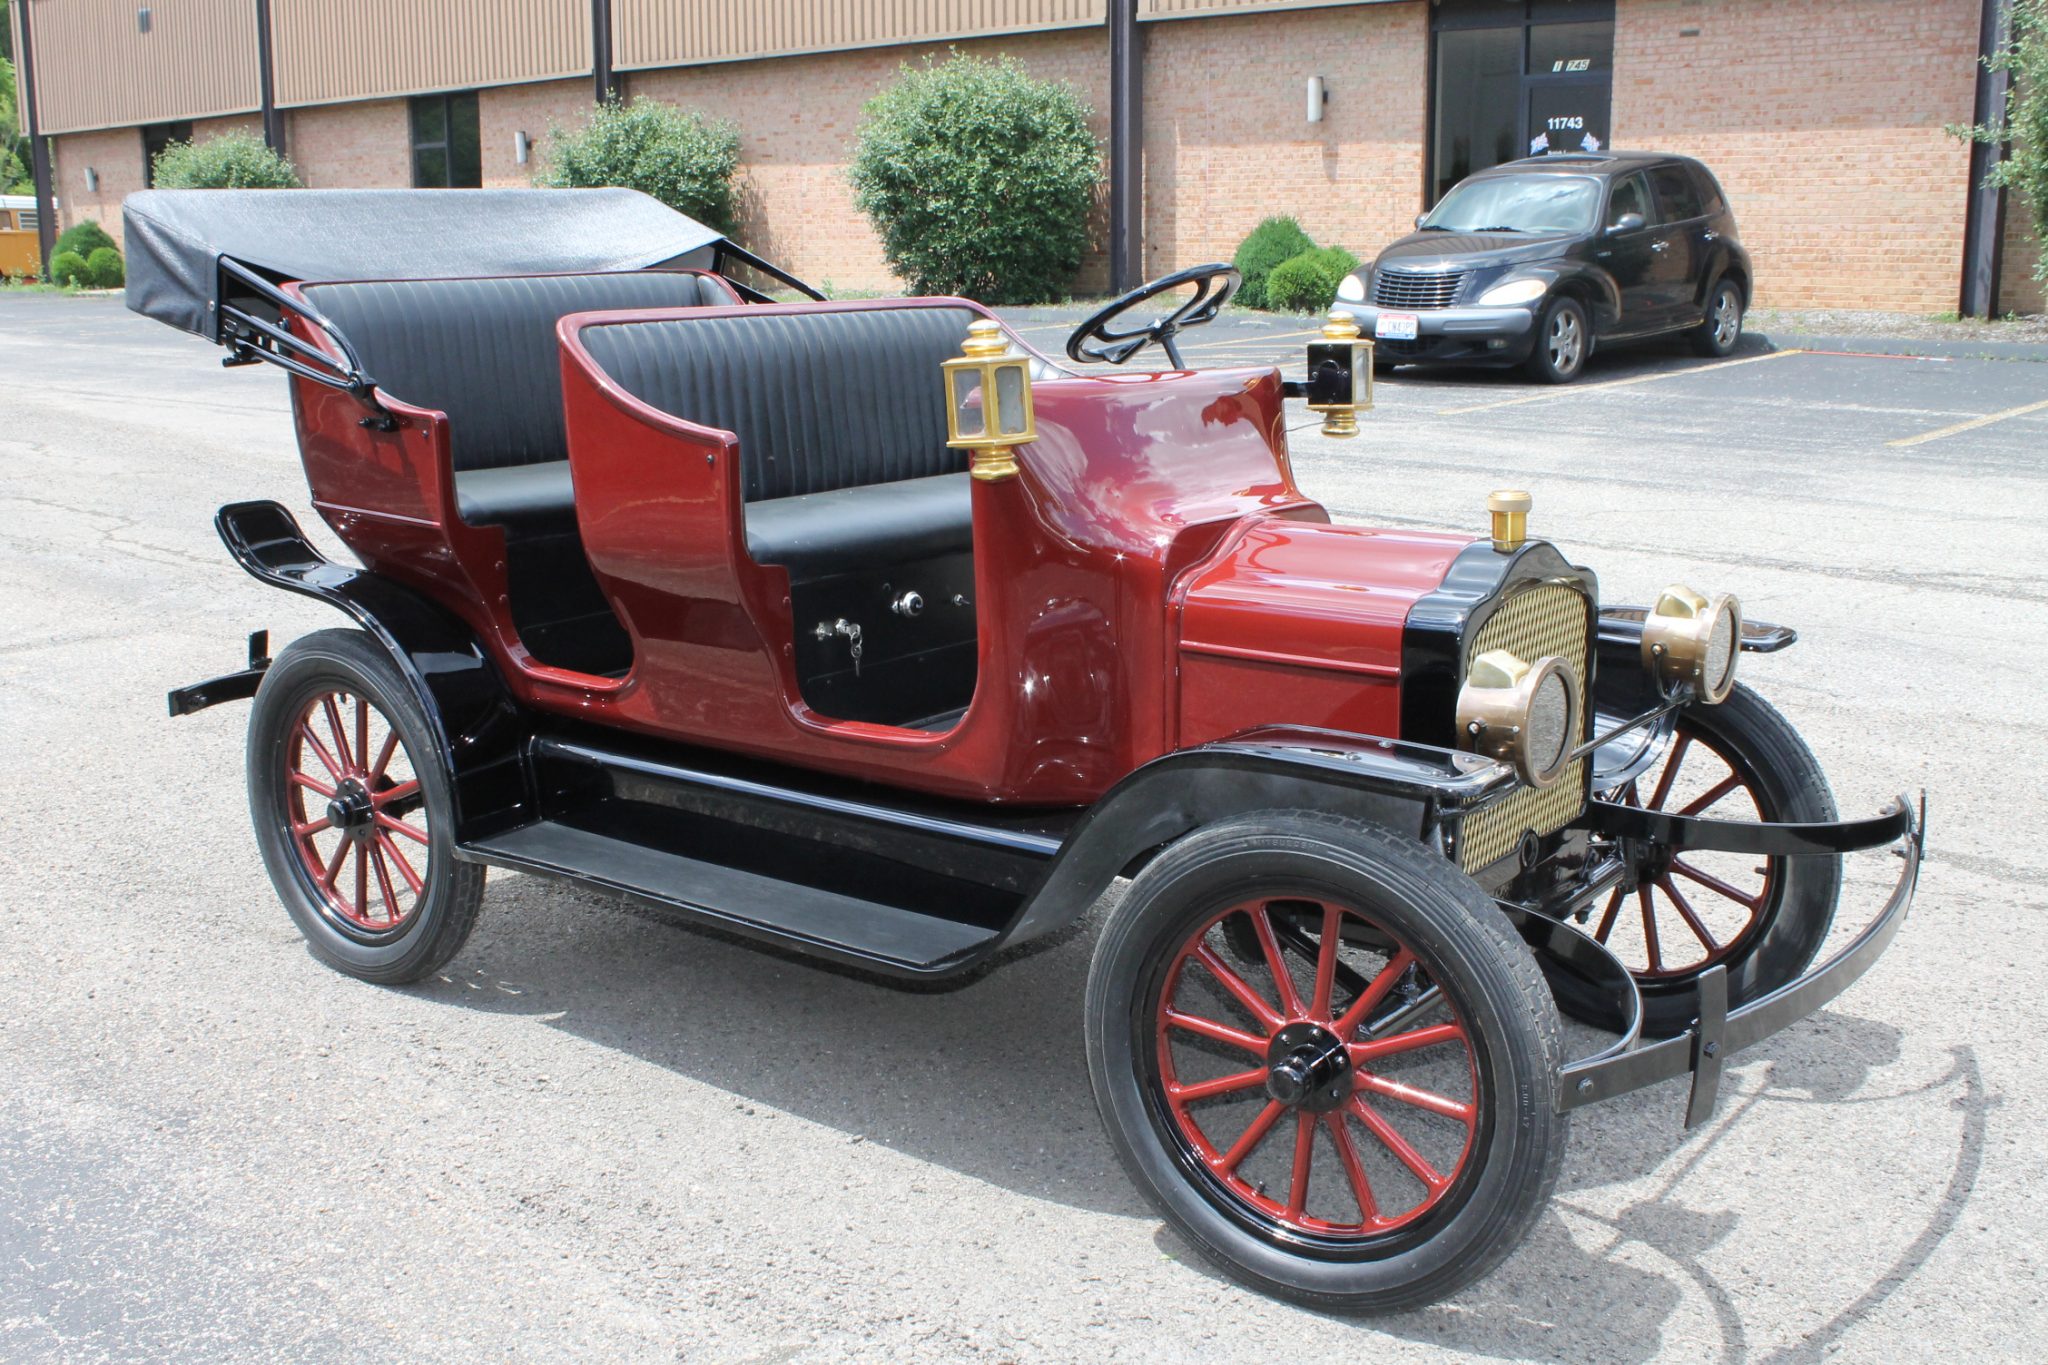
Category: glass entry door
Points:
column 1517, row 77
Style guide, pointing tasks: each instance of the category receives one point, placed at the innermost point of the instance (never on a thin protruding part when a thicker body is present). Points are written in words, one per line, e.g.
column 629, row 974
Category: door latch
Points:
column 842, row 629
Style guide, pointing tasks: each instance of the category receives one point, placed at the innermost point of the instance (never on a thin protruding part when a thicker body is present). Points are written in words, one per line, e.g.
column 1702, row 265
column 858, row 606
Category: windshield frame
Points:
column 1591, row 196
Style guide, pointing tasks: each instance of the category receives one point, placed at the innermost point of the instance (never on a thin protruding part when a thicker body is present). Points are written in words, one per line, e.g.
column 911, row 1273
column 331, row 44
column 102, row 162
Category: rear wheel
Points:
column 1327, row 1059
column 351, row 805
column 1722, row 327
column 1564, row 338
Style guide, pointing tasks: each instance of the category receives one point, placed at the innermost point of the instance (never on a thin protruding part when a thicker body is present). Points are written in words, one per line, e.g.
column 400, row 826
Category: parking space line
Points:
column 1970, row 425
column 1567, row 390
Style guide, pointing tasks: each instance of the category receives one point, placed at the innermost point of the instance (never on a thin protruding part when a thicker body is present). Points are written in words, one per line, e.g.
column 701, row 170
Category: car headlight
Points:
column 1351, row 288
column 1514, row 291
column 1526, row 715
column 1688, row 638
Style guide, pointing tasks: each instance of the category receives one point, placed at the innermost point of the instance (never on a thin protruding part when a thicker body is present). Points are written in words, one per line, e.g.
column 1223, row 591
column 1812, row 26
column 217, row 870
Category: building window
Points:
column 446, row 151
column 1515, row 79
column 156, row 137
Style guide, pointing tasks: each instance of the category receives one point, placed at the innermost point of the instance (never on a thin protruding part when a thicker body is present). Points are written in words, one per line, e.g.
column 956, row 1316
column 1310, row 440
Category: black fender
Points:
column 476, row 722
column 1416, row 789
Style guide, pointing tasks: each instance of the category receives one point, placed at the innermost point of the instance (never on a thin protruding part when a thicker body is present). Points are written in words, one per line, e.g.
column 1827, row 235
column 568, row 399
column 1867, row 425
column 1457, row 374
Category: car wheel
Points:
column 1763, row 919
column 351, row 803
column 1327, row 1059
column 1564, row 339
column 1722, row 327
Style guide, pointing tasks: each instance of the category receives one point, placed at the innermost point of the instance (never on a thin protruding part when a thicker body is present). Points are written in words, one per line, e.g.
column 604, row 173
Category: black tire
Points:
column 1394, row 894
column 386, row 795
column 1720, row 330
column 1781, row 782
column 1564, row 341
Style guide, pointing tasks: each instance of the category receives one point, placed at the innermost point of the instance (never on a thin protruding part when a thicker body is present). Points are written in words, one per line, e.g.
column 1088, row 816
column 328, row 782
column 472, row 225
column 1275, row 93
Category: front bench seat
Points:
column 841, row 421
column 483, row 351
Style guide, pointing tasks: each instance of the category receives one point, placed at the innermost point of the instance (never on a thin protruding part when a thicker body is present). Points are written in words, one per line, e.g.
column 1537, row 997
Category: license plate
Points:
column 1396, row 326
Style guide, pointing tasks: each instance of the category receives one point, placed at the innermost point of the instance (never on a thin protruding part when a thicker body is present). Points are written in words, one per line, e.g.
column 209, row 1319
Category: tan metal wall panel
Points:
column 1195, row 9
column 96, row 68
column 331, row 50
column 655, row 33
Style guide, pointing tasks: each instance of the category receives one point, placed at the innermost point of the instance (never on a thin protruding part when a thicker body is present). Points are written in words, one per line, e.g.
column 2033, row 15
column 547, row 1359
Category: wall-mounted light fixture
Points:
column 1318, row 96
column 92, row 180
column 522, row 148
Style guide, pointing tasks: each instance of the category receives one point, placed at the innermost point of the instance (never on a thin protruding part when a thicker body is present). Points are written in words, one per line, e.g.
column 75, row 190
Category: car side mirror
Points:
column 1628, row 222
column 1419, row 217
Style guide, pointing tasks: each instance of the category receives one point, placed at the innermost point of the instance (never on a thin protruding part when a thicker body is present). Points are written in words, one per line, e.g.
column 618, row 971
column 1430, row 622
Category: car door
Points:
column 1682, row 228
column 1626, row 251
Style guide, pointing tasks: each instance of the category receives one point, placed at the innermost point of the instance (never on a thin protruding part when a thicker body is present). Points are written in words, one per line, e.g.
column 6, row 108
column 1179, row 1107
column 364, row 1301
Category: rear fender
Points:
column 477, row 725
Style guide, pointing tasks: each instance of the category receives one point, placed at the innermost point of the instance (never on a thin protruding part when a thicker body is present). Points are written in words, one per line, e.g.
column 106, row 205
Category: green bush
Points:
column 979, row 179
column 679, row 157
column 2024, row 121
column 84, row 239
column 1271, row 243
column 236, row 160
column 69, row 268
column 1307, row 283
column 105, row 268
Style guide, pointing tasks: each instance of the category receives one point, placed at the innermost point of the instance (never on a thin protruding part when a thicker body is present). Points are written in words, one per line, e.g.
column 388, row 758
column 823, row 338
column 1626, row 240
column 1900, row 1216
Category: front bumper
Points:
column 1504, row 335
column 1704, row 1048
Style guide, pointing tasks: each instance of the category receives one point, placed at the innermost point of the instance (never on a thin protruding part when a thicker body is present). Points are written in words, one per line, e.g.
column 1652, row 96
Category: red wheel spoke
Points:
column 1326, row 961
column 1714, row 793
column 331, row 876
column 1671, row 767
column 1304, row 1157
column 320, row 750
column 384, row 884
column 1222, row 1085
column 1238, row 987
column 412, row 878
column 1716, row 885
column 1399, row 1146
column 1253, row 1136
column 1354, row 1169
column 1222, row 1033
column 384, row 754
column 1361, row 1053
column 397, row 793
column 1283, row 980
column 301, row 780
column 334, row 724
column 1650, row 943
column 397, row 826
column 1415, row 1095
column 302, row 828
column 362, row 884
column 363, row 734
column 1374, row 993
column 1692, row 921
column 1607, row 920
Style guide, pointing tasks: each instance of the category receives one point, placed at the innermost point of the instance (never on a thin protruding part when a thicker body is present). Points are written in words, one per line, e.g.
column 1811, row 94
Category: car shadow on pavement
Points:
column 989, row 1080
column 1633, row 360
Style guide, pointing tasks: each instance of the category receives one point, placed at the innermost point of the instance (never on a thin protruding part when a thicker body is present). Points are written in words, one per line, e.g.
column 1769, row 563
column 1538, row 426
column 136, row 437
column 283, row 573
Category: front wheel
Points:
column 1327, row 1059
column 1564, row 338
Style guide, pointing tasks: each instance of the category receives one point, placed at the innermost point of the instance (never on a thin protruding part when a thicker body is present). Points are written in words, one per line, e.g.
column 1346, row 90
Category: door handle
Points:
column 1660, row 246
column 1710, row 236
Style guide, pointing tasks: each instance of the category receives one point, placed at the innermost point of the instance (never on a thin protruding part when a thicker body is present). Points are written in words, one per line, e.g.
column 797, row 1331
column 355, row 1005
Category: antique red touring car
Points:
column 865, row 629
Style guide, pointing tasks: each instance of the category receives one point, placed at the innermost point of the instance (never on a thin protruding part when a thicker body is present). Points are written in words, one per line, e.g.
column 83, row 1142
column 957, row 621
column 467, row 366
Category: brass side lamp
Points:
column 1340, row 375
column 988, row 401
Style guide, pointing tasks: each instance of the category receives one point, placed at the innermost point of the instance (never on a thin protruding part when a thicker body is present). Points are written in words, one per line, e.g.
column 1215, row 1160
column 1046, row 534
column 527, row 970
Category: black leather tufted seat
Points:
column 484, row 352
column 841, row 421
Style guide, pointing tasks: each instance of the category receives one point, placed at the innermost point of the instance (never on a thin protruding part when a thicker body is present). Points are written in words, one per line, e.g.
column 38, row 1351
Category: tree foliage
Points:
column 979, row 179
column 676, row 155
column 2024, row 121
column 234, row 160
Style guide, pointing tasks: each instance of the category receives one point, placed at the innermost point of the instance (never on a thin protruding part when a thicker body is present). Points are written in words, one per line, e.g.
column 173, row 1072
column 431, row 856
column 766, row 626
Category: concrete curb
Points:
column 2036, row 352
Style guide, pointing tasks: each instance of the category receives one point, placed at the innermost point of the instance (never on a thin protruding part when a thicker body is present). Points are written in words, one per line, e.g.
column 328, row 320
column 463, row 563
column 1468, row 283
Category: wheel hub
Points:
column 1308, row 1067
column 350, row 810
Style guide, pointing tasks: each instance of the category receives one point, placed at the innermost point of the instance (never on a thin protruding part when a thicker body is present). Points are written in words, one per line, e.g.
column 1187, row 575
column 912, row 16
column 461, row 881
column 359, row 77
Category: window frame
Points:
column 447, row 101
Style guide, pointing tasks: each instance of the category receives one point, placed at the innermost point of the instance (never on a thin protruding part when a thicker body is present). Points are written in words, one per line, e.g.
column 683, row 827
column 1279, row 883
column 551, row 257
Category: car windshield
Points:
column 1517, row 203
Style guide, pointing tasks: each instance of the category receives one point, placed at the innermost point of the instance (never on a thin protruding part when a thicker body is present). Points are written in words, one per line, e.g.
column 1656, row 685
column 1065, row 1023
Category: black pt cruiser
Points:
column 1534, row 262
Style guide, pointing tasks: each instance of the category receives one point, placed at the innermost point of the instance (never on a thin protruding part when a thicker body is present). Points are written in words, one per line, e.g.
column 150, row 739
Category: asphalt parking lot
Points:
column 601, row 1135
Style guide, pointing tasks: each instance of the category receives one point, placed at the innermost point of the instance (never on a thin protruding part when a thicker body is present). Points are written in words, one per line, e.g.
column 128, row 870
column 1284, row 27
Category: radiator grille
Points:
column 1416, row 288
column 1549, row 618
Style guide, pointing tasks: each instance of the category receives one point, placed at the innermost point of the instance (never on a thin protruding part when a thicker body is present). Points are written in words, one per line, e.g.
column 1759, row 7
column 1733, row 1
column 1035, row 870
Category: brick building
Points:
column 1823, row 118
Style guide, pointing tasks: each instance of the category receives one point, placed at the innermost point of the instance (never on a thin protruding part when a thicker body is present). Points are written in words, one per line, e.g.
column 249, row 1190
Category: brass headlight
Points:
column 1526, row 715
column 1692, row 639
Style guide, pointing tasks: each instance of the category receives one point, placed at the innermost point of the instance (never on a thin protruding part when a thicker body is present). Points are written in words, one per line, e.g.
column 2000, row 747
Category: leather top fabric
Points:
column 484, row 351
column 819, row 401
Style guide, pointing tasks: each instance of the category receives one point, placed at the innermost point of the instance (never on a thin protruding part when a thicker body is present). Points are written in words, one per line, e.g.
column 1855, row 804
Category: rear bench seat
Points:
column 841, row 420
column 484, row 352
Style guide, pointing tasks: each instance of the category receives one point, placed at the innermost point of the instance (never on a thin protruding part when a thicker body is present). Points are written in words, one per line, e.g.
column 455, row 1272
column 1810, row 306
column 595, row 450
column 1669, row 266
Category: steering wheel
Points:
column 1214, row 284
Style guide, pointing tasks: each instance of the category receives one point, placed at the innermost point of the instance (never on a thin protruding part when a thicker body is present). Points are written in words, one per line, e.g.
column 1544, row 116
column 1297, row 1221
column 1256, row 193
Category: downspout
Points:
column 604, row 87
column 1126, row 148
column 38, row 150
column 266, row 69
column 1984, row 218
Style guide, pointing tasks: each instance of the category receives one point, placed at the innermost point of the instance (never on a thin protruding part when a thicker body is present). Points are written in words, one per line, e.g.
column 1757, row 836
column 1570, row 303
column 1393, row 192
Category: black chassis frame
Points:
column 511, row 768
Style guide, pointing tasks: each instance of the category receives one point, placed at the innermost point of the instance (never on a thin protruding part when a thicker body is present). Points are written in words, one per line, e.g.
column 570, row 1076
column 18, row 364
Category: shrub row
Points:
column 1286, row 271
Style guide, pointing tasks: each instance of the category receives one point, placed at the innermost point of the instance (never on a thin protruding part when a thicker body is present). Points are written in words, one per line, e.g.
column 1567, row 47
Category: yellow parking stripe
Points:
column 1970, row 425
column 1567, row 390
